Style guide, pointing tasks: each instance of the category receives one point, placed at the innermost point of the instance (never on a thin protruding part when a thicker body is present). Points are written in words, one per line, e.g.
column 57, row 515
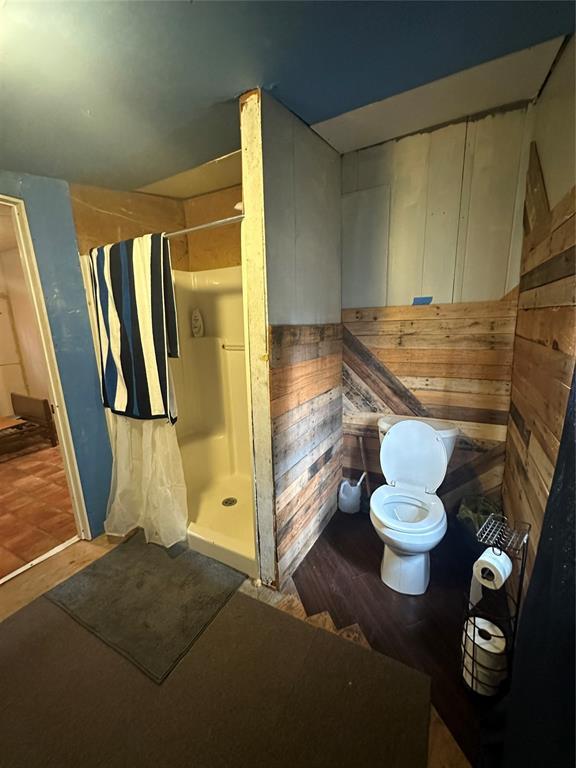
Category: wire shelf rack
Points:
column 483, row 671
column 496, row 533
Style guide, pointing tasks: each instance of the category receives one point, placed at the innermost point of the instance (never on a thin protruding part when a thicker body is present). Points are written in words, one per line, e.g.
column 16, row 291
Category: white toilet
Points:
column 406, row 512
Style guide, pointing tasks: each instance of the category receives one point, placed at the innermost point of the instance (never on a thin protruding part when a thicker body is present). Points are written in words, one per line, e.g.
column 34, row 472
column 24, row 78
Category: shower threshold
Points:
column 223, row 529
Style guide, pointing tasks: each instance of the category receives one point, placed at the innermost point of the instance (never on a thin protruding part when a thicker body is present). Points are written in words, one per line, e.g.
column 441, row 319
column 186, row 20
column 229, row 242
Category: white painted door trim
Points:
column 39, row 559
column 56, row 394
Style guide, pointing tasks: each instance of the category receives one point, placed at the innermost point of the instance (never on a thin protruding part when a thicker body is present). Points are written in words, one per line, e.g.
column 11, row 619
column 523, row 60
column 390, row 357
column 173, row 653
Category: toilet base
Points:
column 407, row 574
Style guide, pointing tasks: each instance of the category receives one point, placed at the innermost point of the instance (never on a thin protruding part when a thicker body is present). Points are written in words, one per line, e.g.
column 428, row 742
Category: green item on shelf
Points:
column 474, row 511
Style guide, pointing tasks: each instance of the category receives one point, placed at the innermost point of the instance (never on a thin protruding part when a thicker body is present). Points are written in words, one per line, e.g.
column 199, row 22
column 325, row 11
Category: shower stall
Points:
column 213, row 430
column 211, row 377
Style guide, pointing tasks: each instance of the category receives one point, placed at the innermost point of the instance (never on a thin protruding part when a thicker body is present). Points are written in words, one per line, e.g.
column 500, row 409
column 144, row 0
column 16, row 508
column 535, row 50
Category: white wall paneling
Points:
column 494, row 155
column 365, row 224
column 317, row 228
column 444, row 187
column 555, row 126
column 454, row 225
column 409, row 184
column 517, row 233
column 278, row 165
column 302, row 219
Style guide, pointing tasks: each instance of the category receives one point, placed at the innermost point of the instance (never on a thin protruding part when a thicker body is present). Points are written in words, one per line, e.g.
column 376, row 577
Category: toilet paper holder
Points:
column 500, row 607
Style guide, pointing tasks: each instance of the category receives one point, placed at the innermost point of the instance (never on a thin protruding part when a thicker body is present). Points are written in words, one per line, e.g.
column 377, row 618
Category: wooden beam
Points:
column 255, row 295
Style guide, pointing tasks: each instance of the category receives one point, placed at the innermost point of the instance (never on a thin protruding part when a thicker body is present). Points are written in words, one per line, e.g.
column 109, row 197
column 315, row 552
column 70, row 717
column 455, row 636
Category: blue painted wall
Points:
column 54, row 237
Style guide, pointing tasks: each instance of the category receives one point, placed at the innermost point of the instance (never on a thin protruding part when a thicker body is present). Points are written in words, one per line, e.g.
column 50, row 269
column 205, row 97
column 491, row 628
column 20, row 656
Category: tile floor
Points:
column 35, row 508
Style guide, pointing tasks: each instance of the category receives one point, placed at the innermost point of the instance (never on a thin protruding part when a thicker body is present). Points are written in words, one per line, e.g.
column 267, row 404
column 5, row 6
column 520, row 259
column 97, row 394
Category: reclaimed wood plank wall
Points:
column 446, row 361
column 306, row 412
column 544, row 350
column 107, row 216
column 103, row 216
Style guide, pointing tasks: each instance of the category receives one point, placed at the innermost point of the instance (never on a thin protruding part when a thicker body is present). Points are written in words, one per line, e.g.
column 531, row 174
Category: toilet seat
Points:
column 407, row 512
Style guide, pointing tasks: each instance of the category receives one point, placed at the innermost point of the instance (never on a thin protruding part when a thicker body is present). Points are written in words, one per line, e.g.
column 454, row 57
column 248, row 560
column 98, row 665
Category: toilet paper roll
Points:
column 492, row 568
column 483, row 688
column 489, row 642
column 484, row 651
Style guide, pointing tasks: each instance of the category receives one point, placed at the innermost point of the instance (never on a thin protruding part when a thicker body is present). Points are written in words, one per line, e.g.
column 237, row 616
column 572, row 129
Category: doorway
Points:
column 41, row 506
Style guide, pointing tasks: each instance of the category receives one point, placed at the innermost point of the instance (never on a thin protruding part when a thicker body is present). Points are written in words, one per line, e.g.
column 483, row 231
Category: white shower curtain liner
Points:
column 148, row 488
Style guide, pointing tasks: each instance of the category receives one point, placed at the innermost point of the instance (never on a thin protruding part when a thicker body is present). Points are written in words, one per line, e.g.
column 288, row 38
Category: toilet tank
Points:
column 447, row 431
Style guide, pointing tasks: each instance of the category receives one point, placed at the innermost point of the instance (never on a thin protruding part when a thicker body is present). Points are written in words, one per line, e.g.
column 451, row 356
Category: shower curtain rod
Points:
column 210, row 225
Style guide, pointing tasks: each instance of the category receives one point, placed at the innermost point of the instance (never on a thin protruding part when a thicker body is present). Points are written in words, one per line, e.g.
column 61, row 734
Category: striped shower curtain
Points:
column 135, row 333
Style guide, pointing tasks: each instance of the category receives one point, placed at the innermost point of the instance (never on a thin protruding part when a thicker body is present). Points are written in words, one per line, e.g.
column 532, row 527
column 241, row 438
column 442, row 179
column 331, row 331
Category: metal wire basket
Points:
column 497, row 533
column 487, row 644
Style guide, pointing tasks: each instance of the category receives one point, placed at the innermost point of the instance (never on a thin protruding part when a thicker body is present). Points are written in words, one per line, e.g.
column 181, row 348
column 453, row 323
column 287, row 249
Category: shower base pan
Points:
column 222, row 522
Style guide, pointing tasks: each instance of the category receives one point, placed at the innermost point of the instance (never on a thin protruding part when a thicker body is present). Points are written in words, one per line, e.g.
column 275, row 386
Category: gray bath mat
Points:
column 148, row 603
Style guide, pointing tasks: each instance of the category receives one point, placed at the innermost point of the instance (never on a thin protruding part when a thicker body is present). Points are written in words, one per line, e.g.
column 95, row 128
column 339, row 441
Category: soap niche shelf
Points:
column 478, row 665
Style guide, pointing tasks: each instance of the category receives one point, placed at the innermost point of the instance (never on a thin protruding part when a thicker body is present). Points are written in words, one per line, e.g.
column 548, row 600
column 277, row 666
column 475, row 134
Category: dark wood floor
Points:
column 341, row 574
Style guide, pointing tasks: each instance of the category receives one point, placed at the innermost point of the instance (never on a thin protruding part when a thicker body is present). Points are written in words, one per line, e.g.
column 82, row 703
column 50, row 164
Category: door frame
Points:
column 55, row 391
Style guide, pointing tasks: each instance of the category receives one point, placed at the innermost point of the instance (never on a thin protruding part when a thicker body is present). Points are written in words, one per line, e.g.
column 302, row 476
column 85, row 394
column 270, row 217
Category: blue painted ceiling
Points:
column 120, row 94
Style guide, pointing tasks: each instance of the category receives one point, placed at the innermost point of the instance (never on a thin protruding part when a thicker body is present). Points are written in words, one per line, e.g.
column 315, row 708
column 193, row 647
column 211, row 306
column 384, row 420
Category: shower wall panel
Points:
column 213, row 420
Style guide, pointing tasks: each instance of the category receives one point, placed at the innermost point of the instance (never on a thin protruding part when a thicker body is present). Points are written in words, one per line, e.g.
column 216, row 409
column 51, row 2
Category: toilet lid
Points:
column 413, row 453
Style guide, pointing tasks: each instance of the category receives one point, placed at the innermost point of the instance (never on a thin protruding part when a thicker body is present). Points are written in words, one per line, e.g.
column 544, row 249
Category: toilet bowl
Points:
column 406, row 513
